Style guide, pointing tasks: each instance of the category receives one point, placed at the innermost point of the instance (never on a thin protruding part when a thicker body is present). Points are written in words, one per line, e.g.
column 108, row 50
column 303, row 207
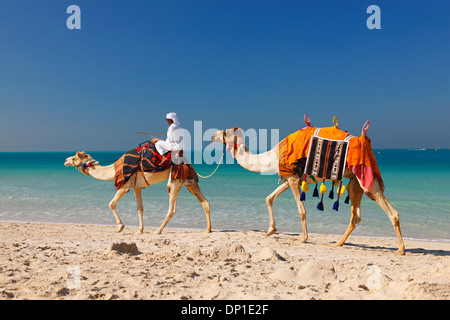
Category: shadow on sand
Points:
column 420, row 251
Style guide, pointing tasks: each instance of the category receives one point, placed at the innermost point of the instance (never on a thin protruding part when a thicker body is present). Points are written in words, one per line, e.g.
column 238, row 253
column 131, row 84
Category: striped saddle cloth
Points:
column 147, row 159
column 327, row 158
column 143, row 158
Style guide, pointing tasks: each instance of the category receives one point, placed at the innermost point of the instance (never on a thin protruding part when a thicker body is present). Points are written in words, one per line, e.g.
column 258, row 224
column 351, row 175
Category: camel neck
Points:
column 102, row 173
column 266, row 162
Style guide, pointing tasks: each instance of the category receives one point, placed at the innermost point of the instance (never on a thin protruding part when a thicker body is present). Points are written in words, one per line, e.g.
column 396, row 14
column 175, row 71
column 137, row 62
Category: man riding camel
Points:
column 175, row 138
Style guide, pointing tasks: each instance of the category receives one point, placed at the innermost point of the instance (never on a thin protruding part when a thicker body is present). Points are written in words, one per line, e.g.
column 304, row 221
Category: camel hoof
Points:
column 400, row 252
column 139, row 232
column 271, row 231
column 302, row 240
column 207, row 231
column 120, row 227
column 157, row 232
column 337, row 244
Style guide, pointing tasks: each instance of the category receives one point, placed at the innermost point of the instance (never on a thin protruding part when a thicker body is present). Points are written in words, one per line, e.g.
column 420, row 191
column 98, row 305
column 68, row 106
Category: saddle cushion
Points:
column 145, row 156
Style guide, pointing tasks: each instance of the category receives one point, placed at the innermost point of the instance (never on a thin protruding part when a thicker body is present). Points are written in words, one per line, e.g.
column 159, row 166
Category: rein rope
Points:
column 220, row 162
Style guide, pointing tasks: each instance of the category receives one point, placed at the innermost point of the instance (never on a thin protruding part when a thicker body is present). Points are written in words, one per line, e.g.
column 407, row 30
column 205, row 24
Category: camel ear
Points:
column 81, row 155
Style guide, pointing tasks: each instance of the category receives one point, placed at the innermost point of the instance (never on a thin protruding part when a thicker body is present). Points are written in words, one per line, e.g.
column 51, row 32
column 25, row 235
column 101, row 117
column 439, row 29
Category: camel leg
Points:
column 195, row 190
column 269, row 202
column 293, row 183
column 140, row 209
column 355, row 192
column 112, row 205
column 391, row 213
column 174, row 187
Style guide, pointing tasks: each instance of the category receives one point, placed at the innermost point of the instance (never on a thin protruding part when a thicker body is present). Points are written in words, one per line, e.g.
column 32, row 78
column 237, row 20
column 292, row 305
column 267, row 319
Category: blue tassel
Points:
column 320, row 206
column 316, row 192
column 84, row 166
column 336, row 205
column 347, row 200
column 303, row 196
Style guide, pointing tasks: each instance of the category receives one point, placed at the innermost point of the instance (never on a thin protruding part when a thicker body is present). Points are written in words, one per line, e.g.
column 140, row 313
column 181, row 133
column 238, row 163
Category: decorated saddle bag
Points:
column 326, row 157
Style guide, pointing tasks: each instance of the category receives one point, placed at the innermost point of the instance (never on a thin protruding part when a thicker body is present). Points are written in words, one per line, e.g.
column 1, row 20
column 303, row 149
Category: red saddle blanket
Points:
column 144, row 158
column 147, row 159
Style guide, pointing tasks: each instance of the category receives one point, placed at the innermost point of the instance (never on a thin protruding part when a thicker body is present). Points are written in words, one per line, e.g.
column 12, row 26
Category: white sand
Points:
column 51, row 261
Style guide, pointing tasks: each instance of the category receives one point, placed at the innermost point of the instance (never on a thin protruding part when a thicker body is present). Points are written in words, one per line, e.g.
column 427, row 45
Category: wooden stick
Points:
column 153, row 134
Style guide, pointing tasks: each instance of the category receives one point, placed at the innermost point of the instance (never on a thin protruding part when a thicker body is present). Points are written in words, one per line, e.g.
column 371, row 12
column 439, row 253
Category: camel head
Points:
column 233, row 138
column 78, row 160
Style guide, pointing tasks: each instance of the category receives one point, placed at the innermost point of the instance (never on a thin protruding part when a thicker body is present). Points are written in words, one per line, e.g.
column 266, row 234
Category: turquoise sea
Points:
column 36, row 187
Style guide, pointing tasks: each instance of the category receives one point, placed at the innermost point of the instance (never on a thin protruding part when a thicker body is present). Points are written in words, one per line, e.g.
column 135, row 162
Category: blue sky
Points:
column 252, row 64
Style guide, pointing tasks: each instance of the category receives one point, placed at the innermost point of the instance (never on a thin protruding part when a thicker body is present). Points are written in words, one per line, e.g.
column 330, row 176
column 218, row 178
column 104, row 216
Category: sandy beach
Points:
column 62, row 261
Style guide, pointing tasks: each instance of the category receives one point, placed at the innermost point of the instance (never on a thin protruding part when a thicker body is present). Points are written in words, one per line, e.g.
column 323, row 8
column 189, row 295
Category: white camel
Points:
column 137, row 182
column 268, row 163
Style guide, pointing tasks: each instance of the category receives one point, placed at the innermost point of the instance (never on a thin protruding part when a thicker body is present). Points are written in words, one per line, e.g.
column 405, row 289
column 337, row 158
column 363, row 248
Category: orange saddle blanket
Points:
column 294, row 149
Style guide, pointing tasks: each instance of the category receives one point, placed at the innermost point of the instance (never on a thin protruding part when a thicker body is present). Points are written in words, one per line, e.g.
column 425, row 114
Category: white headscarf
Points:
column 173, row 116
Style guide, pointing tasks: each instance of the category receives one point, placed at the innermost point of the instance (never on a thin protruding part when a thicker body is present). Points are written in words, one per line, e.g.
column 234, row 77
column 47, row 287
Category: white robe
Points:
column 174, row 141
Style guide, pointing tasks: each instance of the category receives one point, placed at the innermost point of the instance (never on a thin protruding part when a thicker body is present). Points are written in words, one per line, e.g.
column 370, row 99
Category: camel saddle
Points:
column 294, row 151
column 146, row 158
